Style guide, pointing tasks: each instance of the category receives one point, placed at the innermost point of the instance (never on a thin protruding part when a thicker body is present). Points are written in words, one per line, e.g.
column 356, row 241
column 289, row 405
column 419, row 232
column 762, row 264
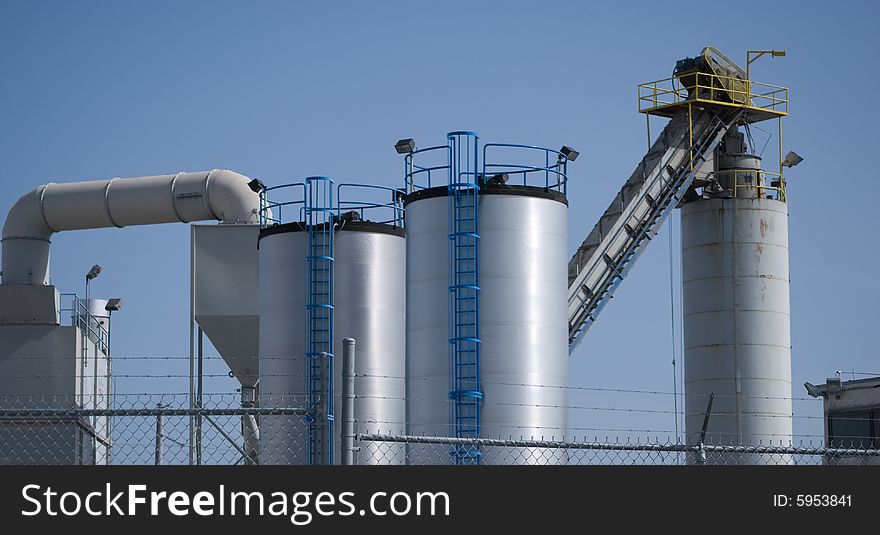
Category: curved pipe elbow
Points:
column 25, row 218
column 231, row 199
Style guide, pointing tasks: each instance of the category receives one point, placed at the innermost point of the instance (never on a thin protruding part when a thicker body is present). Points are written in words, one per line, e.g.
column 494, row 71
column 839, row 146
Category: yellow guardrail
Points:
column 759, row 177
column 708, row 88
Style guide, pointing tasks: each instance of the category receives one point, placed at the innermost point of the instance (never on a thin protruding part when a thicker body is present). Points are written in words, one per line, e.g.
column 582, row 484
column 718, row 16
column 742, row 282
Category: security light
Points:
column 812, row 390
column 405, row 146
column 569, row 153
column 256, row 185
column 792, row 159
column 94, row 272
column 113, row 305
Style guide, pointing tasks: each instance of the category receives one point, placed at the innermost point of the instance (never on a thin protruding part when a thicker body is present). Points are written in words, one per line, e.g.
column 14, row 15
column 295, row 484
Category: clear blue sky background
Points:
column 282, row 90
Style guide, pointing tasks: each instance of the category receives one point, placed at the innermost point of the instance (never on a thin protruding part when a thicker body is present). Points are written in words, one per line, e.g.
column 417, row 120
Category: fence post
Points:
column 159, row 435
column 701, row 452
column 348, row 359
column 250, row 428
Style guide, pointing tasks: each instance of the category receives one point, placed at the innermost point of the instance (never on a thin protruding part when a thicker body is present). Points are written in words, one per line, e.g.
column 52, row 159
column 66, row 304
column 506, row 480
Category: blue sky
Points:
column 282, row 90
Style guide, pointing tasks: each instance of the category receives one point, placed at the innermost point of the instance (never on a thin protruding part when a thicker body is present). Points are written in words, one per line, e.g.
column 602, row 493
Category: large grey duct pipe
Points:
column 183, row 197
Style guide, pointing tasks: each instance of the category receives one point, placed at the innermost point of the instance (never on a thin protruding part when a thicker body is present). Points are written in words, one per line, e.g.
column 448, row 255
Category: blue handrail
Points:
column 554, row 168
column 271, row 212
column 548, row 170
column 388, row 212
column 412, row 170
column 364, row 199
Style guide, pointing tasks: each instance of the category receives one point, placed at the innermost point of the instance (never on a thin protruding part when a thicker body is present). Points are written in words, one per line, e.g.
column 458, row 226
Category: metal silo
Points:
column 518, row 277
column 736, row 307
column 366, row 297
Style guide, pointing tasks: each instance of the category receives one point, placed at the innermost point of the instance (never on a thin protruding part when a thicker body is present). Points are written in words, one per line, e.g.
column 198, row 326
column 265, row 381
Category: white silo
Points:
column 735, row 279
column 521, row 273
column 367, row 297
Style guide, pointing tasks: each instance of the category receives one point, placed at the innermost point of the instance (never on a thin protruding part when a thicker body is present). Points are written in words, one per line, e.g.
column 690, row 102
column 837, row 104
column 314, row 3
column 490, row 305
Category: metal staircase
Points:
column 464, row 294
column 319, row 317
column 658, row 184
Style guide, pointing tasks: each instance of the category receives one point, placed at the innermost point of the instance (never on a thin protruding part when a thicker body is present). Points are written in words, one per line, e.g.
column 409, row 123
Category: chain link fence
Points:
column 428, row 450
column 150, row 429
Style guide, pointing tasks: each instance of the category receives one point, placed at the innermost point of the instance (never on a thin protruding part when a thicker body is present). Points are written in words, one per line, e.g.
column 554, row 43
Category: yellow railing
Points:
column 713, row 89
column 759, row 176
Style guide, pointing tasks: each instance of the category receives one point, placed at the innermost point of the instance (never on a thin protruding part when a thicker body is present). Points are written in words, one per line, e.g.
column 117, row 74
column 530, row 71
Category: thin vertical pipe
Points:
column 348, row 396
column 192, row 290
column 199, row 390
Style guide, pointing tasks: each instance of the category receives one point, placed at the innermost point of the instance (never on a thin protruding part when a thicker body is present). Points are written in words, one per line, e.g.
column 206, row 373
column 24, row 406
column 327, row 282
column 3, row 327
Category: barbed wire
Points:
column 275, row 397
column 590, row 388
column 181, row 375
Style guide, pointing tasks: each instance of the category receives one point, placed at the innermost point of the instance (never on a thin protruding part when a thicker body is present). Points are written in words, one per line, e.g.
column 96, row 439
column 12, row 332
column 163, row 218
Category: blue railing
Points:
column 431, row 174
column 378, row 204
column 552, row 174
column 293, row 199
column 512, row 163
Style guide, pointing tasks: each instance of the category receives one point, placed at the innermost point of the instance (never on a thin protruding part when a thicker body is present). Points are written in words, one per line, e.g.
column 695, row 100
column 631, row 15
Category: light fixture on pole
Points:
column 94, row 272
column 752, row 55
column 792, row 159
column 405, row 146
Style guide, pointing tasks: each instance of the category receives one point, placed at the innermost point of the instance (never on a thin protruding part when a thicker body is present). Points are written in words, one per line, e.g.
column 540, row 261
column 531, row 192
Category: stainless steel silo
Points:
column 523, row 311
column 737, row 340
column 368, row 305
column 282, row 342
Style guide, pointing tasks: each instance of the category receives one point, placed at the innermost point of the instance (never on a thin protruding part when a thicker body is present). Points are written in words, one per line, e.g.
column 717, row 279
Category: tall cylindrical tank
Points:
column 737, row 340
column 369, row 306
column 523, row 306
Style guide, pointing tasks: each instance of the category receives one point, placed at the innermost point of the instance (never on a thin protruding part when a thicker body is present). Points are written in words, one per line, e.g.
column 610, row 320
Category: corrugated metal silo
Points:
column 736, row 311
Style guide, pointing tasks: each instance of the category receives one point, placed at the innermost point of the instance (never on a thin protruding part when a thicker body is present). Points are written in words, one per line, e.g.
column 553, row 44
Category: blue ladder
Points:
column 319, row 317
column 464, row 294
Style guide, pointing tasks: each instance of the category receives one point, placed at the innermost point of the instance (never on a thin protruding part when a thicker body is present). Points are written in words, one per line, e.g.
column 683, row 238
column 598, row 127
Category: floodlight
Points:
column 792, row 159
column 405, row 146
column 256, row 185
column 569, row 153
column 113, row 305
column 94, row 272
